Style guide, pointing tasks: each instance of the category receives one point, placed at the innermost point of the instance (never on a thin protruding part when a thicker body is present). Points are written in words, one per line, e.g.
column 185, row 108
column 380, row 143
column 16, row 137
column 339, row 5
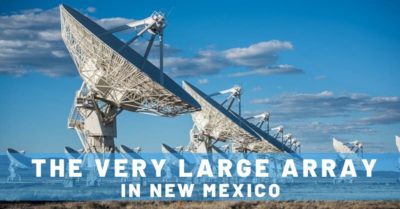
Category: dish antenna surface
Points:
column 71, row 153
column 18, row 161
column 116, row 78
column 216, row 123
column 261, row 119
column 350, row 150
column 129, row 153
column 350, row 147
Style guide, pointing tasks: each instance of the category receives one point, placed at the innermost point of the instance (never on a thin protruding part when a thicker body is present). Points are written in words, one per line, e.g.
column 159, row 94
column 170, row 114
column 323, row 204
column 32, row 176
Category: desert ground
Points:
column 204, row 205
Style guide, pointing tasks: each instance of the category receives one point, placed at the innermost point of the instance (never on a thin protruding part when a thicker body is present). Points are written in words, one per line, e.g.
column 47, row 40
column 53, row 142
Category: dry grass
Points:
column 204, row 205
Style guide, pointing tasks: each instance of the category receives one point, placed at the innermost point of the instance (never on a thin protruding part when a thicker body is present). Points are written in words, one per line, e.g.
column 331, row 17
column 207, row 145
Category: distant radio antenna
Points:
column 216, row 122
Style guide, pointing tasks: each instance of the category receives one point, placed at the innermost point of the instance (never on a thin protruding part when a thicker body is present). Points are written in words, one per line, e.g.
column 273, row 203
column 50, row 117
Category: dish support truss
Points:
column 208, row 131
column 94, row 121
column 114, row 78
column 211, row 127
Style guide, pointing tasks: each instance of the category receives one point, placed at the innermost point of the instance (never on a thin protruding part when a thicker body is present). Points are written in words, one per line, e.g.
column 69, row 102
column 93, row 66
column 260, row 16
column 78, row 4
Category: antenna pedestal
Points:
column 100, row 134
column 102, row 144
column 14, row 176
column 199, row 143
column 94, row 121
column 116, row 78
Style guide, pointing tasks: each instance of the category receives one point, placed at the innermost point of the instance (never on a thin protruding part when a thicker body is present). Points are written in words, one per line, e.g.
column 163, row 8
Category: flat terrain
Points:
column 204, row 205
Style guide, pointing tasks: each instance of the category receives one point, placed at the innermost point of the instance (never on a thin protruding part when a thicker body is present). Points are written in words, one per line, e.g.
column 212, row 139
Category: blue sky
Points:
column 322, row 69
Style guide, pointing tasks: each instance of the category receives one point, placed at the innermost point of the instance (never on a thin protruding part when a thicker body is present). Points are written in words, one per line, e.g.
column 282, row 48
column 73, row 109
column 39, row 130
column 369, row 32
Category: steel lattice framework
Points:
column 118, row 74
column 214, row 123
column 219, row 124
column 116, row 78
column 351, row 150
column 350, row 147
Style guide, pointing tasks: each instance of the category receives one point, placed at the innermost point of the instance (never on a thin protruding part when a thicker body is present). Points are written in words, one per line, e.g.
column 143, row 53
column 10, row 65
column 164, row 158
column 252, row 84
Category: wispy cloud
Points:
column 311, row 115
column 327, row 104
column 91, row 9
column 111, row 22
column 30, row 42
column 323, row 129
column 320, row 77
column 270, row 70
column 202, row 81
column 257, row 58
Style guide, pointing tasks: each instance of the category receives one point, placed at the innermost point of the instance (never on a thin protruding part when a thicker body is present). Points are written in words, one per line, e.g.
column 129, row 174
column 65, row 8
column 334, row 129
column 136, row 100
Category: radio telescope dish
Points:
column 220, row 124
column 71, row 153
column 262, row 118
column 398, row 142
column 217, row 122
column 340, row 147
column 117, row 73
column 17, row 161
column 116, row 78
column 350, row 147
column 129, row 153
column 173, row 157
column 350, row 150
column 273, row 141
column 173, row 153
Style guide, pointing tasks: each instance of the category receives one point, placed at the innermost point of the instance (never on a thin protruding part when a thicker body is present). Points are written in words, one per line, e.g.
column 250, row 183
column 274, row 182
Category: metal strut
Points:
column 154, row 25
column 234, row 94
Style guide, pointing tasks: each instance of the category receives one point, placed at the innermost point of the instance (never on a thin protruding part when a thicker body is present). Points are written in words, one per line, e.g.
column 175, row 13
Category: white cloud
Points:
column 202, row 81
column 370, row 110
column 30, row 41
column 320, row 77
column 270, row 70
column 257, row 55
column 317, row 117
column 50, row 35
column 59, row 53
column 113, row 22
column 256, row 58
column 91, row 9
column 317, row 128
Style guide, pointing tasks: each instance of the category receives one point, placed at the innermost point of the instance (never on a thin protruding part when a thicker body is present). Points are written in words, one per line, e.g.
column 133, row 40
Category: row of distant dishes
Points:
column 124, row 78
column 19, row 160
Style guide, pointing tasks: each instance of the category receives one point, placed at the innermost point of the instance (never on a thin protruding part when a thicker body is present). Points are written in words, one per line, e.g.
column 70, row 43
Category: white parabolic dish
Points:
column 345, row 152
column 340, row 147
column 119, row 74
column 222, row 124
column 17, row 159
column 216, row 122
